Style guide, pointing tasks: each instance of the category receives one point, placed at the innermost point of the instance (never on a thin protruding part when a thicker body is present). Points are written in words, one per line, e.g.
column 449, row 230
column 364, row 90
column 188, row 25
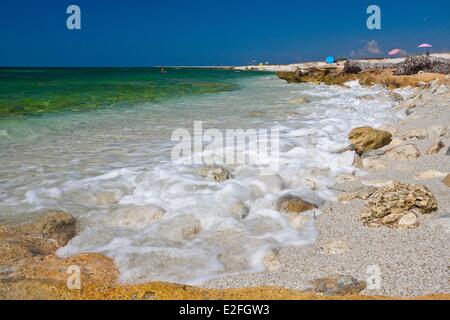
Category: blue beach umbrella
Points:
column 330, row 60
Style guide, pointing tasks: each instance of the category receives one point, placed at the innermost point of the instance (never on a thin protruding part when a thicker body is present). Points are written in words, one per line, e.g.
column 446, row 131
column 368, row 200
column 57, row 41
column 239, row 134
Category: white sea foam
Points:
column 116, row 190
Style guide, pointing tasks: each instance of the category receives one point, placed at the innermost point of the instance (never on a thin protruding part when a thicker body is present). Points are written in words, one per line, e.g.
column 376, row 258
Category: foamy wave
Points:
column 165, row 222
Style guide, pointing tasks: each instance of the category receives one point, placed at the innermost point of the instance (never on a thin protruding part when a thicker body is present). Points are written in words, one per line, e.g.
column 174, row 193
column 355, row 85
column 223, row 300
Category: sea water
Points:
column 97, row 143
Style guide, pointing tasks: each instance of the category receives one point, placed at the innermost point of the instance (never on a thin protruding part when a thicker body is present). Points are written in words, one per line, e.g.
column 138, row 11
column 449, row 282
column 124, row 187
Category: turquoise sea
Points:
column 38, row 91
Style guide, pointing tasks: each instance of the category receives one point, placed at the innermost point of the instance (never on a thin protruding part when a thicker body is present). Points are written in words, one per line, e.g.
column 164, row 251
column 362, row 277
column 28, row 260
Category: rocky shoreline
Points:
column 391, row 216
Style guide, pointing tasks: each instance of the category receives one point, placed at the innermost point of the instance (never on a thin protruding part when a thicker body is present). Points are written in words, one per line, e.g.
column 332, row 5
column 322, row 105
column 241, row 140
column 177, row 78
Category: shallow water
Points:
column 111, row 167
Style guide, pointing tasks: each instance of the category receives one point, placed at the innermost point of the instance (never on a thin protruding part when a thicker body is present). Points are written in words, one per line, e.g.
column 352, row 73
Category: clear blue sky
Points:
column 210, row 32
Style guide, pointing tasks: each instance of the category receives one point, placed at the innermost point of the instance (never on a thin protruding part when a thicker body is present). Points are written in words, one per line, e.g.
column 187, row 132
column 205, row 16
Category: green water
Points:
column 37, row 91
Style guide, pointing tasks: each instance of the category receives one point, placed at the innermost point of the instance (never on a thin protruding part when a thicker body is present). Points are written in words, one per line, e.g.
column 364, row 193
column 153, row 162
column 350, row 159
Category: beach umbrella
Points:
column 330, row 60
column 394, row 52
column 425, row 46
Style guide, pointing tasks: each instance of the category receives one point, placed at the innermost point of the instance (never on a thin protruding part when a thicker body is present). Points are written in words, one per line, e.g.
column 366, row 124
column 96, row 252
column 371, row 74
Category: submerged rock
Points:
column 368, row 138
column 366, row 97
column 240, row 210
column 300, row 100
column 293, row 204
column 180, row 228
column 292, row 114
column 215, row 172
column 397, row 97
column 256, row 114
column 107, row 198
column 404, row 152
column 394, row 203
column 133, row 216
column 448, row 152
column 338, row 285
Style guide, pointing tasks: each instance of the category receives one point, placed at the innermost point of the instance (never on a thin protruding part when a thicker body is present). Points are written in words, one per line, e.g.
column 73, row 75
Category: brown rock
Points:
column 403, row 152
column 327, row 75
column 54, row 225
column 338, row 285
column 387, row 79
column 435, row 148
column 390, row 204
column 367, row 138
column 27, row 253
column 446, row 180
column 293, row 204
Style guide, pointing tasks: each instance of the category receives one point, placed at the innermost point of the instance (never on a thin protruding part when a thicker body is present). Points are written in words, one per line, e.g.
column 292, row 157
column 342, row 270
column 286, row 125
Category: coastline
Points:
column 344, row 247
column 411, row 262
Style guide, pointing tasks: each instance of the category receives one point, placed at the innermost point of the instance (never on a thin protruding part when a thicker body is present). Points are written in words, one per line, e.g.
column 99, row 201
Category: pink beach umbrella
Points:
column 394, row 52
column 425, row 46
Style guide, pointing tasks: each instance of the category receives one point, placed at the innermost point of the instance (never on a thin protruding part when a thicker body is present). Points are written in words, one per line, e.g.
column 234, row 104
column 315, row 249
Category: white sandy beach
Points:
column 411, row 262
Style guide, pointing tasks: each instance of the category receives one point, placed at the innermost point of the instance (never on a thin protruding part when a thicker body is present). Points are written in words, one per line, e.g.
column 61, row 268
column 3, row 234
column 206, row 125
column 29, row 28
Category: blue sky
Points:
column 210, row 32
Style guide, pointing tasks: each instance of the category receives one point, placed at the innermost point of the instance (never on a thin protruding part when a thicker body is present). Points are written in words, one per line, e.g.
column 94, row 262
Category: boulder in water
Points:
column 215, row 172
column 293, row 204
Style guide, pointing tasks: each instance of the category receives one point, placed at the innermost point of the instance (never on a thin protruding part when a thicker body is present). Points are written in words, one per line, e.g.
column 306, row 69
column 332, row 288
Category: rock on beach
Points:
column 368, row 138
column 396, row 204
